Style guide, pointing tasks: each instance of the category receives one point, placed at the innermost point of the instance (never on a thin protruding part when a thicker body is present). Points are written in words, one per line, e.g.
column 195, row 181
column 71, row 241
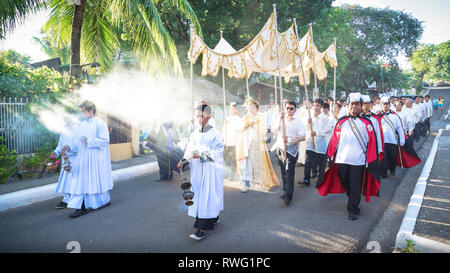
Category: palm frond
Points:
column 13, row 12
column 148, row 37
column 59, row 25
column 99, row 42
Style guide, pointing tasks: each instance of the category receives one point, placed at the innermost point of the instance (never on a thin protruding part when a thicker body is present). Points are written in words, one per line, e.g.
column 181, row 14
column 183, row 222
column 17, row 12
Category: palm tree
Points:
column 97, row 25
column 53, row 51
column 16, row 11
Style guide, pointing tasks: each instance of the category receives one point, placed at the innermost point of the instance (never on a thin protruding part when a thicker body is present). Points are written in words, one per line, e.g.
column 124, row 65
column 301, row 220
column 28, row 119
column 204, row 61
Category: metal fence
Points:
column 18, row 128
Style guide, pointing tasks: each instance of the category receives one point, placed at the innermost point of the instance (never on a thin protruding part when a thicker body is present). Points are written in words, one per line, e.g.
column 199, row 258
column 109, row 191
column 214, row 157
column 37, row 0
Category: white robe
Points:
column 93, row 179
column 68, row 137
column 206, row 177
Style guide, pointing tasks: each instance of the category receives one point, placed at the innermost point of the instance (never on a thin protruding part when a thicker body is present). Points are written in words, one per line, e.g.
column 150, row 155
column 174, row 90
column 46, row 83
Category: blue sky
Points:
column 433, row 13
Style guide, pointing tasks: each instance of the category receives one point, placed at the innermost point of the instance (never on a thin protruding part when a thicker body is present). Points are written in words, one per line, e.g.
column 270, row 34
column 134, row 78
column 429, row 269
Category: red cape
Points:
column 370, row 183
column 407, row 160
column 378, row 118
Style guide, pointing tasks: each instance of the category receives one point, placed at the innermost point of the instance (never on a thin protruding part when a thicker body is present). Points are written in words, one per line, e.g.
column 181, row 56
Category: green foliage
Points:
column 17, row 79
column 8, row 162
column 441, row 62
column 431, row 63
column 105, row 22
column 381, row 34
column 36, row 161
column 53, row 50
column 410, row 247
column 15, row 11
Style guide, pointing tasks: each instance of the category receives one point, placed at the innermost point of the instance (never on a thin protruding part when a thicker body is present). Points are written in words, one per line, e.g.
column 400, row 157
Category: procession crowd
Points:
column 348, row 145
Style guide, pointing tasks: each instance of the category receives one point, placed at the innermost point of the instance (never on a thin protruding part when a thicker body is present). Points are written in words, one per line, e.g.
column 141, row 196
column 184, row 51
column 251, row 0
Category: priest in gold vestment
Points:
column 251, row 151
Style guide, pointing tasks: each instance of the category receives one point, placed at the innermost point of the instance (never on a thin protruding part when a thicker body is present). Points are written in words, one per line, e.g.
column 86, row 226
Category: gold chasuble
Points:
column 250, row 142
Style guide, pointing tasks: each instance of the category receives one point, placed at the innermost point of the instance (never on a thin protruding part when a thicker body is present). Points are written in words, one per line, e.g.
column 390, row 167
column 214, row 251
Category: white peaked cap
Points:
column 365, row 98
column 354, row 97
column 384, row 99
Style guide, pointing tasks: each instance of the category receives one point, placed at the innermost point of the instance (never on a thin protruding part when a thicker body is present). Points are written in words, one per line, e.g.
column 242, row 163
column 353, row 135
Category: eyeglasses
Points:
column 290, row 108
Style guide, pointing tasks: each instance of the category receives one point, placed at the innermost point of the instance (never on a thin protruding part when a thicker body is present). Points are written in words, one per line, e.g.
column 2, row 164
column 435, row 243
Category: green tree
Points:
column 53, row 51
column 422, row 60
column 100, row 34
column 381, row 34
column 441, row 62
column 13, row 12
column 18, row 79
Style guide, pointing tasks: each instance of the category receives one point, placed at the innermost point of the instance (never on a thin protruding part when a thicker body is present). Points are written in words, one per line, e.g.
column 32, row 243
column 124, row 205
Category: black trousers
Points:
column 288, row 176
column 230, row 163
column 163, row 159
column 351, row 177
column 427, row 124
column 417, row 132
column 390, row 158
column 409, row 146
column 316, row 163
column 205, row 223
column 310, row 163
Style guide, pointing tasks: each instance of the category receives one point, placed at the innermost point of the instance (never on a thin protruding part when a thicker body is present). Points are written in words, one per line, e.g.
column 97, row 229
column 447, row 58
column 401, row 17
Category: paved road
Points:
column 433, row 221
column 150, row 216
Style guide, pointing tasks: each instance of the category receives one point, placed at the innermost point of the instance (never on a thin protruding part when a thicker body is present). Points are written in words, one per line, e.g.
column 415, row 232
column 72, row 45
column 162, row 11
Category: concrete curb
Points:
column 42, row 193
column 415, row 203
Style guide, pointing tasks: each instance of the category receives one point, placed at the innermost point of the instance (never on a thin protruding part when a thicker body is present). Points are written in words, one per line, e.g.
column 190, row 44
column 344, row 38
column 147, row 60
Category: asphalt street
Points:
column 150, row 216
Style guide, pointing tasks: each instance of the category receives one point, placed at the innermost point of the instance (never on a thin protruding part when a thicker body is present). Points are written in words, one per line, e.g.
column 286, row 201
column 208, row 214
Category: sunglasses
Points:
column 290, row 108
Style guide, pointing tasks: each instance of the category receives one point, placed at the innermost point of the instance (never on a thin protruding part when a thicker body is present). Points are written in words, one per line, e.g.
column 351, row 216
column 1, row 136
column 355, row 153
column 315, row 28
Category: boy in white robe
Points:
column 67, row 143
column 92, row 181
column 204, row 153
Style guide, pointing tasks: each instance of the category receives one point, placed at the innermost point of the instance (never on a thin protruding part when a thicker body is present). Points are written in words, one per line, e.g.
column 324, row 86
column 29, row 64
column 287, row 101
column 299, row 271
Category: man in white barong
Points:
column 92, row 181
column 204, row 153
column 67, row 143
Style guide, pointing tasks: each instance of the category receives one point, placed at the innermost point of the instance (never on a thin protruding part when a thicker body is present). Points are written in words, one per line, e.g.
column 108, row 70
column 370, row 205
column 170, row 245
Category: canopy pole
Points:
column 314, row 63
column 276, row 93
column 246, row 85
column 281, row 85
column 304, row 84
column 278, row 58
column 224, row 99
column 301, row 62
column 334, row 83
column 191, row 30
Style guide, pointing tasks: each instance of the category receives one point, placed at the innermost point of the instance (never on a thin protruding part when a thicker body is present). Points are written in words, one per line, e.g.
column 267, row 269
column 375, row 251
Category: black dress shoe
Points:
column 353, row 216
column 61, row 205
column 305, row 182
column 78, row 213
column 163, row 178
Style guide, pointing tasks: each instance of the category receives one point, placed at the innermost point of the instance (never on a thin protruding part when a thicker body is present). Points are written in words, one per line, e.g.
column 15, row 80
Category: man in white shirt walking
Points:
column 393, row 136
column 316, row 153
column 287, row 148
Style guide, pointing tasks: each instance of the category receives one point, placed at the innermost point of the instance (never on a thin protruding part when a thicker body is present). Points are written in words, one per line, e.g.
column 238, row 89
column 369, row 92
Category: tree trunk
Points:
column 75, row 69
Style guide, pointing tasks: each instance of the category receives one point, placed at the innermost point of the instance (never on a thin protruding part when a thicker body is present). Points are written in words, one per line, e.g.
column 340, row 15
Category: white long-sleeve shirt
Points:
column 429, row 108
column 349, row 150
column 420, row 111
column 389, row 134
column 408, row 118
column 320, row 125
column 294, row 129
